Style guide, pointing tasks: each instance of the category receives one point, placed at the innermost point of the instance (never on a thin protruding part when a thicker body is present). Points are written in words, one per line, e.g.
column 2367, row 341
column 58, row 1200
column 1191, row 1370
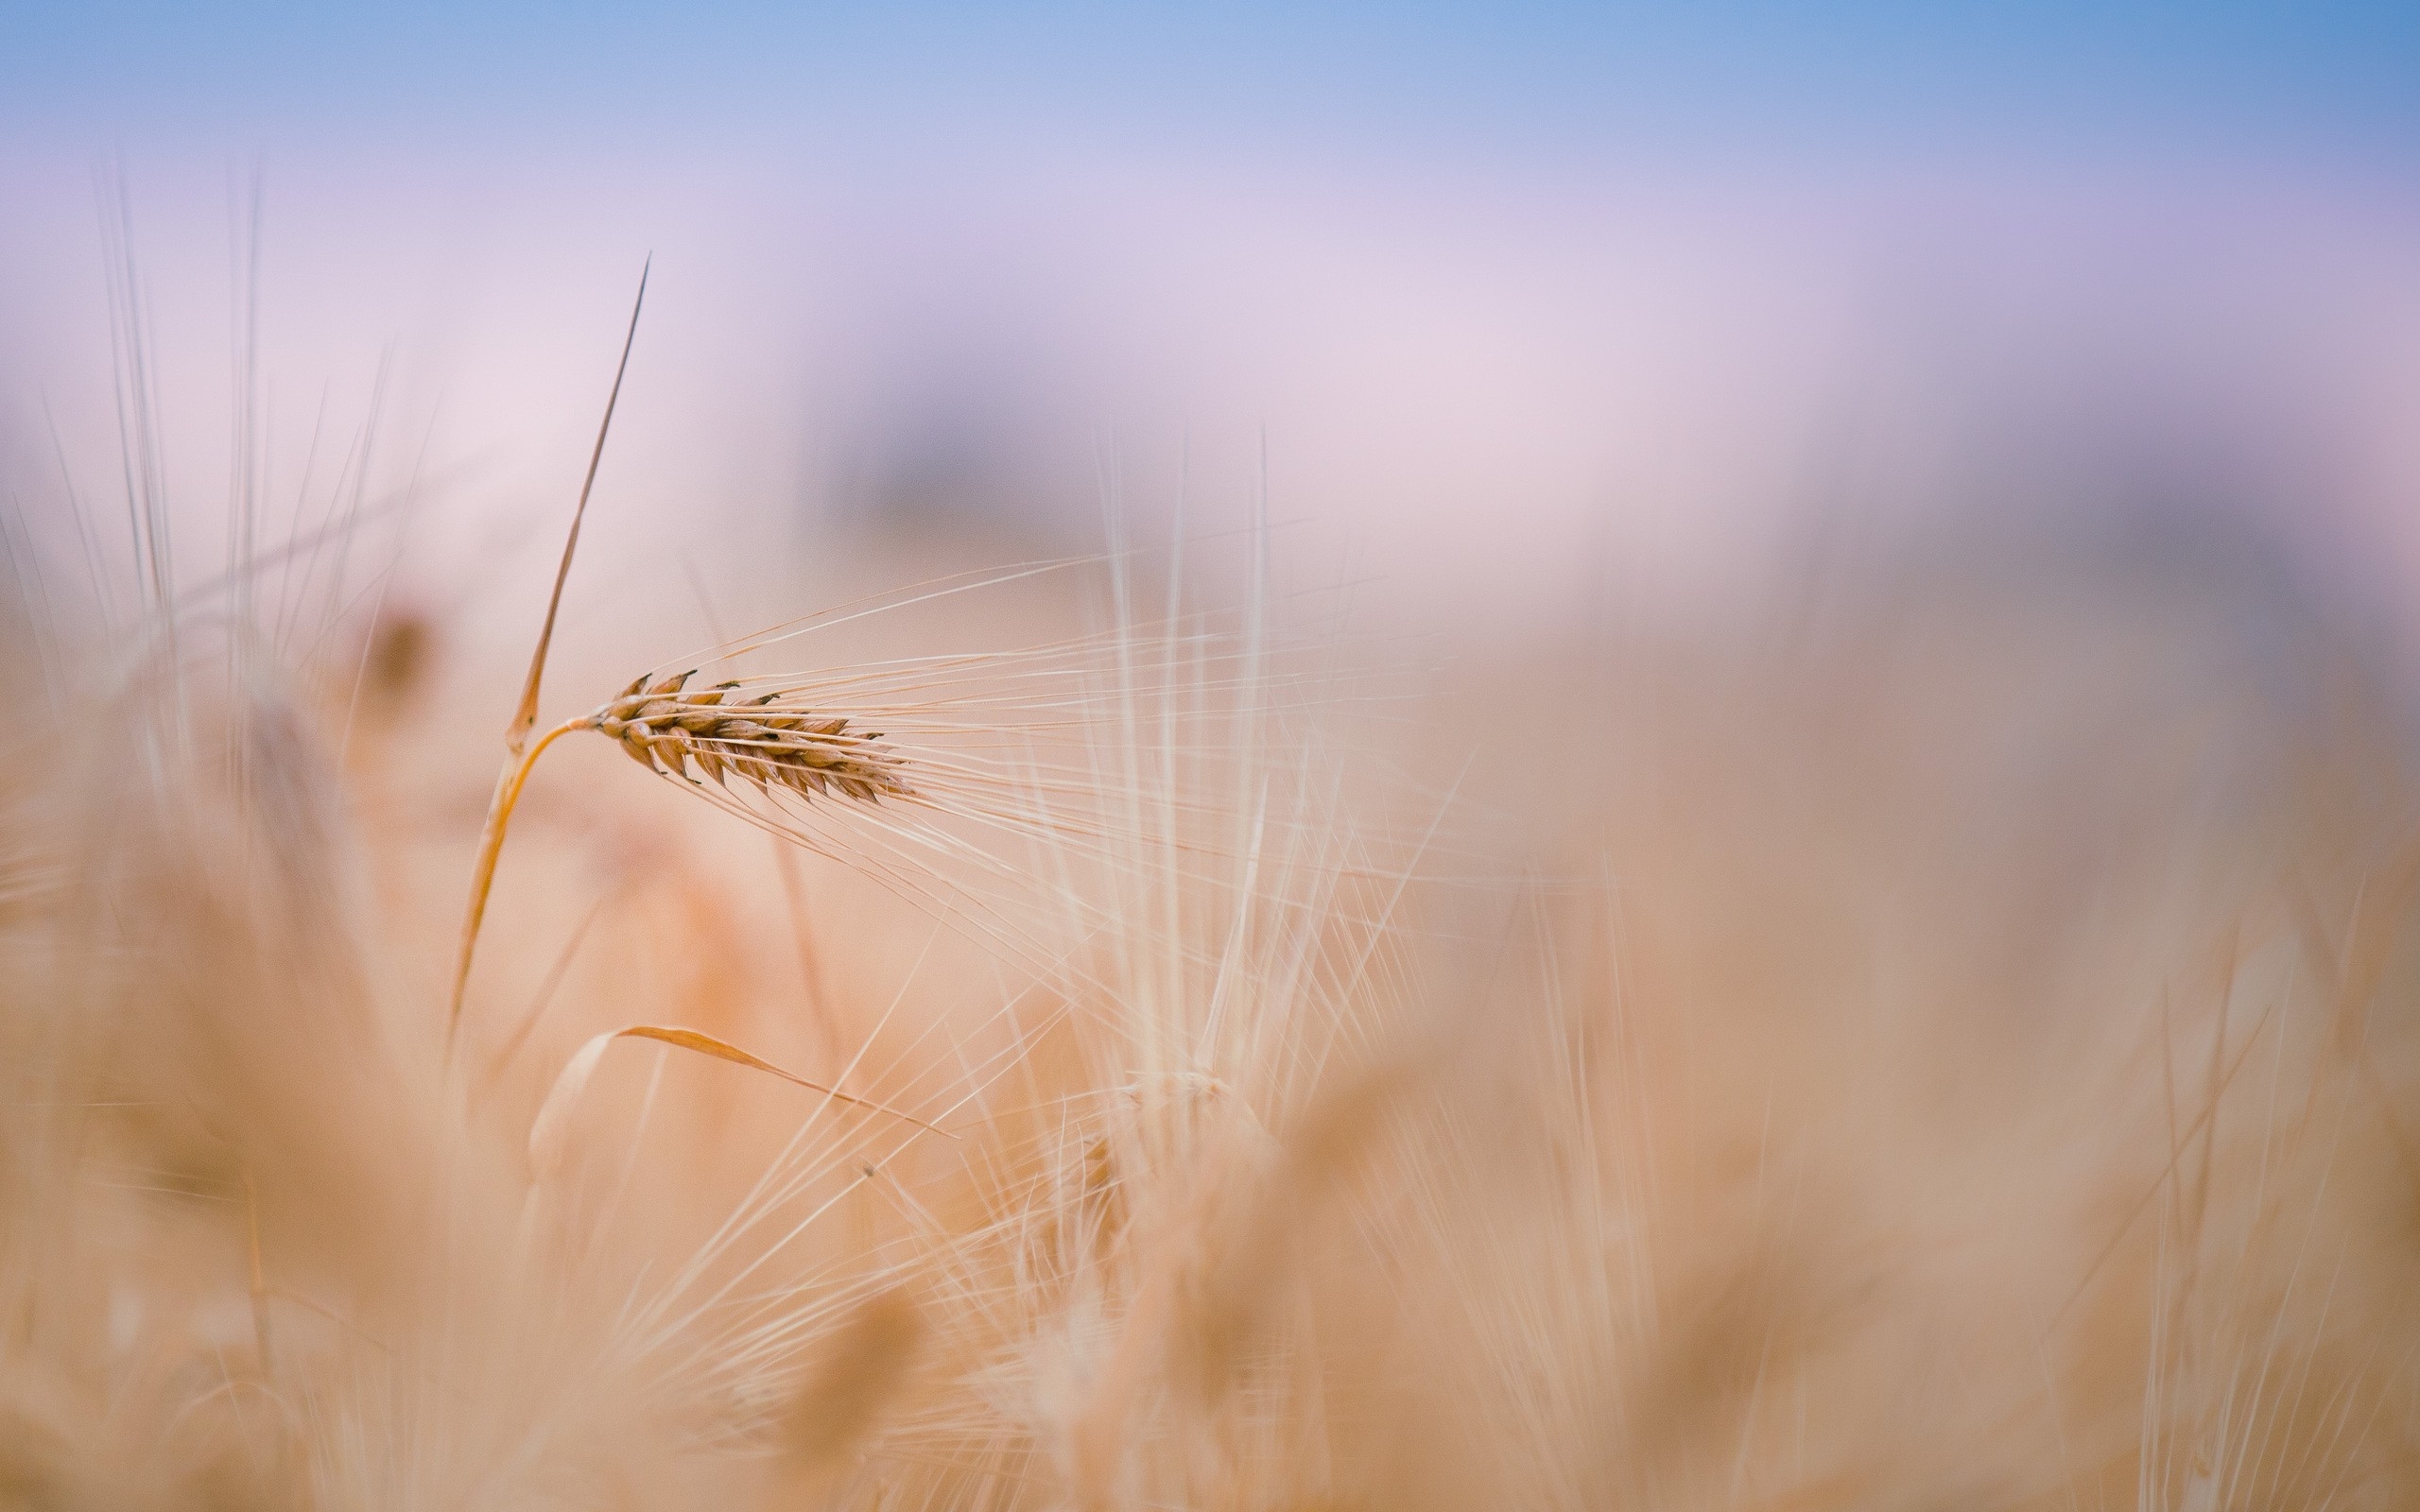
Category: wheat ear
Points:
column 765, row 740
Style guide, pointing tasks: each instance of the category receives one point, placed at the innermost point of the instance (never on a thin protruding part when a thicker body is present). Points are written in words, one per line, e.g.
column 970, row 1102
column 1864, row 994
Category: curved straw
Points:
column 508, row 793
column 516, row 735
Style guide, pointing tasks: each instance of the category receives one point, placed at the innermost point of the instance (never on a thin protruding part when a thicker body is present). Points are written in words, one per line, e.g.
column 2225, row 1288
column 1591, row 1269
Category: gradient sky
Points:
column 1466, row 263
column 2340, row 81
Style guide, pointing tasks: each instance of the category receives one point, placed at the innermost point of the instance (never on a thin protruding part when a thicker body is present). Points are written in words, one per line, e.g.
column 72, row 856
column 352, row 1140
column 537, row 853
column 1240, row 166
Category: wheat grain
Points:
column 772, row 740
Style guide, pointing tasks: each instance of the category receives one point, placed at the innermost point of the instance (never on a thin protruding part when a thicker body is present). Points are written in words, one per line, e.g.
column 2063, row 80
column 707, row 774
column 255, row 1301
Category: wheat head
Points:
column 770, row 740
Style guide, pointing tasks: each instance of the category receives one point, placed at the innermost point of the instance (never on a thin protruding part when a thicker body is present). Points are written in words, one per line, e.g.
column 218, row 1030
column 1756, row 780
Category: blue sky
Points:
column 1509, row 79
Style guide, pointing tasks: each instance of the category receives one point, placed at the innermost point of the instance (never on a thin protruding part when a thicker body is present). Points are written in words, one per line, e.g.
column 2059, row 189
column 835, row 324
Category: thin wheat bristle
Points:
column 766, row 741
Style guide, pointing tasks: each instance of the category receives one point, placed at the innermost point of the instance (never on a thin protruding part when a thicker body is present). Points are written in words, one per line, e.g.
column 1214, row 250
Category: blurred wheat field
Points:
column 1943, row 1043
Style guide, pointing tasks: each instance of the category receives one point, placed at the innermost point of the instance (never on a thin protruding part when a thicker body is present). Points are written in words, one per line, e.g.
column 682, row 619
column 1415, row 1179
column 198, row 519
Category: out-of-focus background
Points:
column 1524, row 312
column 1842, row 584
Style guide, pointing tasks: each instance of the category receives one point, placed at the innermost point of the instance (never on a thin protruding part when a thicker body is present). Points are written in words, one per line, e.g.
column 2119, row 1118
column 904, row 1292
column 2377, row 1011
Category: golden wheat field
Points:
column 1103, row 1033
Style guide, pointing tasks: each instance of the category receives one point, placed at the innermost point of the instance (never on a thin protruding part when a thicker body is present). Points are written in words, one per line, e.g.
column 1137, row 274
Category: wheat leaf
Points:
column 547, row 1129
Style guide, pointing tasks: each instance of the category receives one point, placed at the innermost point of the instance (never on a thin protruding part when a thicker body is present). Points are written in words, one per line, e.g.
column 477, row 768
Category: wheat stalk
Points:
column 773, row 740
column 519, row 755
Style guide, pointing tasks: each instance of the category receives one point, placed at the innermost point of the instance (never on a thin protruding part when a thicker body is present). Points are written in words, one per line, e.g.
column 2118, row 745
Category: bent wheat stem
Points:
column 508, row 793
column 524, row 717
